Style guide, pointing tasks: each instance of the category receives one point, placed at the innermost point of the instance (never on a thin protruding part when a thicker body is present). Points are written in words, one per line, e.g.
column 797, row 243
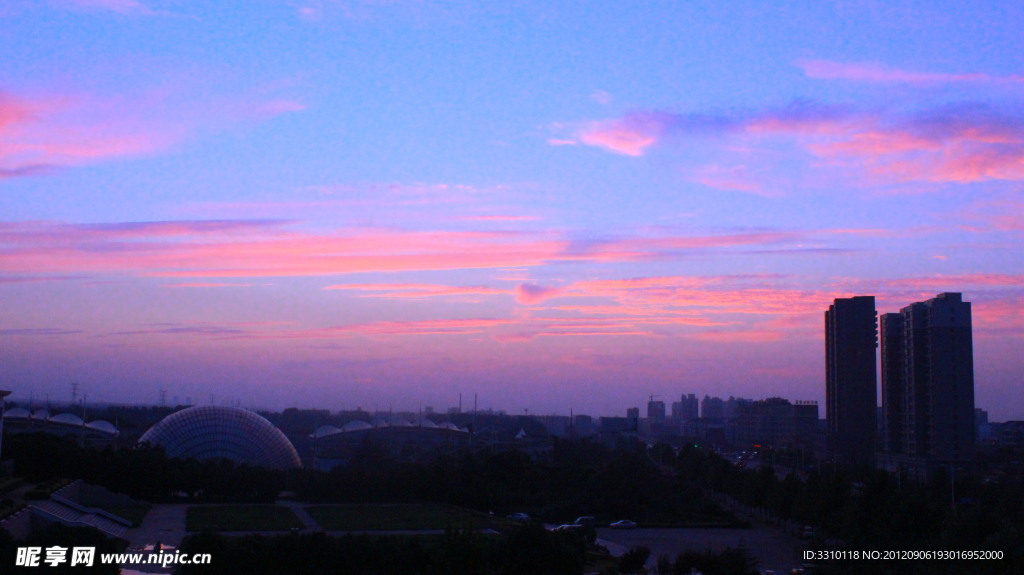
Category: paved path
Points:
column 299, row 509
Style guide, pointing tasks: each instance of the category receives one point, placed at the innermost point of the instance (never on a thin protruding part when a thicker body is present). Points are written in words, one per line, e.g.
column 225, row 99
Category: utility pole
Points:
column 3, row 406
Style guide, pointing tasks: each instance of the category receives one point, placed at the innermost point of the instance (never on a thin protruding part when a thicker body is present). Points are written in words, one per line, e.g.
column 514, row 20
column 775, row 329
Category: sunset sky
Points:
column 552, row 205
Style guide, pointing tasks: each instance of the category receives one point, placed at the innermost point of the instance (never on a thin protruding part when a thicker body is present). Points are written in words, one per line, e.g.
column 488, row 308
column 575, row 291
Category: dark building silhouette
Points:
column 734, row 405
column 851, row 397
column 928, row 381
column 712, row 408
column 894, row 383
column 656, row 411
column 686, row 409
column 775, row 422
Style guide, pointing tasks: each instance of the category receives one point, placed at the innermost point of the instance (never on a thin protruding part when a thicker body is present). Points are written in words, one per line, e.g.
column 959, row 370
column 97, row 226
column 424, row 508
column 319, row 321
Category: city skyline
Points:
column 568, row 207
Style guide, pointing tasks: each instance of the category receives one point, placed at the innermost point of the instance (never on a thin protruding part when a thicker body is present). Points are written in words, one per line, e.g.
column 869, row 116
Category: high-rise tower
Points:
column 928, row 380
column 894, row 382
column 851, row 396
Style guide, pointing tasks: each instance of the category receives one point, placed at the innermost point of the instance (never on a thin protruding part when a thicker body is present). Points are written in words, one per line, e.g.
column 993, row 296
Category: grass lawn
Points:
column 404, row 516
column 240, row 518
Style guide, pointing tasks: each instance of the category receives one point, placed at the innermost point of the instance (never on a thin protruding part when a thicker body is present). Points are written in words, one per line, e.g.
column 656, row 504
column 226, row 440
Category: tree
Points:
column 633, row 561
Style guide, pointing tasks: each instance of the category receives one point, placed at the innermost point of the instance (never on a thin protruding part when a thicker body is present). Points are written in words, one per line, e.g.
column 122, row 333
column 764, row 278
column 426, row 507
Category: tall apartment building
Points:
column 894, row 385
column 928, row 381
column 734, row 405
column 656, row 411
column 712, row 407
column 686, row 409
column 851, row 396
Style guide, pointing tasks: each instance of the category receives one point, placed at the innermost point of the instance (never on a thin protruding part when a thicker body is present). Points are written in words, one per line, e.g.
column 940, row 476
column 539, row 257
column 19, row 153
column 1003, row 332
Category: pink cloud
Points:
column 42, row 133
column 206, row 285
column 630, row 135
column 13, row 110
column 740, row 336
column 267, row 248
column 652, row 247
column 766, row 295
column 529, row 293
column 257, row 249
column 508, row 218
column 634, row 133
column 425, row 327
column 1001, row 317
column 960, row 144
column 735, row 178
column 999, row 215
column 954, row 144
column 961, row 282
column 880, row 73
column 416, row 291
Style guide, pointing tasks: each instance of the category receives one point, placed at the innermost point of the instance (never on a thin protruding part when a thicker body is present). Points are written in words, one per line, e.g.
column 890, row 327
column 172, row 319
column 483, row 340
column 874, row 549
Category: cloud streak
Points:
column 277, row 248
column 416, row 291
column 41, row 134
column 119, row 6
column 958, row 143
column 529, row 293
column 874, row 72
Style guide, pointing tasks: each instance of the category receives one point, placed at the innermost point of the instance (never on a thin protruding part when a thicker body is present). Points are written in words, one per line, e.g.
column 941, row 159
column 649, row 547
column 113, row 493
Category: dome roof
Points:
column 356, row 425
column 324, row 431
column 104, row 426
column 211, row 432
column 17, row 413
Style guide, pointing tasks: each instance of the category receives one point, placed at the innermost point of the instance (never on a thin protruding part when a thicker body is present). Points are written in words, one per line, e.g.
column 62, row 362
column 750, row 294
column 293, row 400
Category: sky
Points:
column 549, row 206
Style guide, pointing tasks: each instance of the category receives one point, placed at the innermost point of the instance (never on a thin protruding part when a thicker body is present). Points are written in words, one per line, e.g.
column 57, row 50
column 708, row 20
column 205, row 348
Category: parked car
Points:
column 623, row 524
column 569, row 527
column 519, row 517
column 586, row 520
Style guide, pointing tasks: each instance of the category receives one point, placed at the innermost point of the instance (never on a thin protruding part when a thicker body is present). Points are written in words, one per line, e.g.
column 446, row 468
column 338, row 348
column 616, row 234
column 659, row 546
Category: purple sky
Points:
column 553, row 205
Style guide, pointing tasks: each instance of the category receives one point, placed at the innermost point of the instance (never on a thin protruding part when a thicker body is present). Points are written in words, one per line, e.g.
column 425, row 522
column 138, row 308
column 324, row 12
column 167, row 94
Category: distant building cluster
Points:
column 734, row 422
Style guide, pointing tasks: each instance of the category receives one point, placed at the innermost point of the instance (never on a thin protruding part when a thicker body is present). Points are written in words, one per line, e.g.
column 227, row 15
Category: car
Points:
column 587, row 520
column 571, row 527
column 519, row 517
column 623, row 524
